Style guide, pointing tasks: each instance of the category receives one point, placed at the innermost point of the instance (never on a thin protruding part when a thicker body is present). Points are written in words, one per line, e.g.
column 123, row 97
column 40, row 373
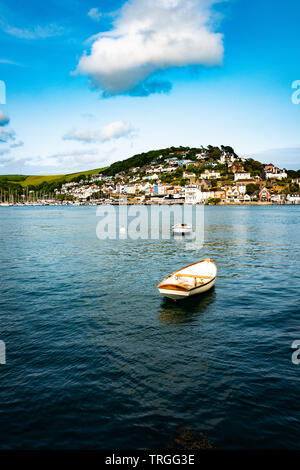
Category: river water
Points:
column 97, row 359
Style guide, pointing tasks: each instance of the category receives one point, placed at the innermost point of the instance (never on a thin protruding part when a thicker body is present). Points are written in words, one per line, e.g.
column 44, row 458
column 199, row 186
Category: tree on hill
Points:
column 214, row 183
column 252, row 188
column 228, row 149
column 293, row 173
column 223, row 169
column 214, row 152
column 253, row 167
column 294, row 188
column 138, row 160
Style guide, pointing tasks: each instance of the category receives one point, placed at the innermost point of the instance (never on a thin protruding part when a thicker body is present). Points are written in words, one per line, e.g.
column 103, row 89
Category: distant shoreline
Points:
column 136, row 203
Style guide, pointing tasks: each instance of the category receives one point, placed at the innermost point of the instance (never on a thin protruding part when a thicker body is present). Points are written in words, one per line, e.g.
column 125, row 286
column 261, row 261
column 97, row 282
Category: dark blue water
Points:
column 97, row 359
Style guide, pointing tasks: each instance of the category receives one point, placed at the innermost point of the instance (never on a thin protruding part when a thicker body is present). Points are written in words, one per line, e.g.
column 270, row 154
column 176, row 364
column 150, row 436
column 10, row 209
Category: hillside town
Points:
column 180, row 176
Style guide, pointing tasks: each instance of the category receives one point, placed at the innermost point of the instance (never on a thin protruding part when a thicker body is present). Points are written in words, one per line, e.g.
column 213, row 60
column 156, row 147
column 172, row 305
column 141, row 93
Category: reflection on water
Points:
column 185, row 311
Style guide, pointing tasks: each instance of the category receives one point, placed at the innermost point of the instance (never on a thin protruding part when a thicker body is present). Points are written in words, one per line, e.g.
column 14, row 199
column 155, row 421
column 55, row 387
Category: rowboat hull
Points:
column 177, row 294
column 172, row 289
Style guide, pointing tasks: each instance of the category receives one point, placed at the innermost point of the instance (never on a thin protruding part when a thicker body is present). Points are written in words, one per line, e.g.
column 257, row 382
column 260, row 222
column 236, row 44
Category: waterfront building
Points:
column 264, row 195
column 193, row 195
column 293, row 199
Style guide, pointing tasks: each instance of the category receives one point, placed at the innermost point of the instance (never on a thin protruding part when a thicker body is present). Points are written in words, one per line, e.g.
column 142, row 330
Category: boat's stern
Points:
column 174, row 294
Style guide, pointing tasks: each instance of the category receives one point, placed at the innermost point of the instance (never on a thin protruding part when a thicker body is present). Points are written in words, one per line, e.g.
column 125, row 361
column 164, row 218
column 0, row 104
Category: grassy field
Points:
column 35, row 180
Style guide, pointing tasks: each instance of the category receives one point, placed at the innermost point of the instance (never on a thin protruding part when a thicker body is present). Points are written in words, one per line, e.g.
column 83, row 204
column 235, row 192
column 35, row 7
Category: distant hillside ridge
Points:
column 49, row 183
column 147, row 158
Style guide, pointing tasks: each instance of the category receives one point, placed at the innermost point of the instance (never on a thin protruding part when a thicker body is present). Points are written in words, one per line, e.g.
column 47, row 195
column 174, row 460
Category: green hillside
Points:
column 36, row 180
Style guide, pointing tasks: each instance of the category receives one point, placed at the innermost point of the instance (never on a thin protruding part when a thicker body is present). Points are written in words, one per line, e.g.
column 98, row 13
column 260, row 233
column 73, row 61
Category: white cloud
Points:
column 7, row 135
column 81, row 135
column 95, row 14
column 114, row 130
column 36, row 32
column 66, row 160
column 150, row 36
column 4, row 119
column 62, row 162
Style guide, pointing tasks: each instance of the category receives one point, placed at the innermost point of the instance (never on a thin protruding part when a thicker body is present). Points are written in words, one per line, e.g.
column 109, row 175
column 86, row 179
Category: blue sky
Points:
column 92, row 82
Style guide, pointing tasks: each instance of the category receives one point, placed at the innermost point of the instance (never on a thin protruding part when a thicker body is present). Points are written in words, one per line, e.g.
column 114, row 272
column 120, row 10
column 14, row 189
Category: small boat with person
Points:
column 192, row 280
column 182, row 229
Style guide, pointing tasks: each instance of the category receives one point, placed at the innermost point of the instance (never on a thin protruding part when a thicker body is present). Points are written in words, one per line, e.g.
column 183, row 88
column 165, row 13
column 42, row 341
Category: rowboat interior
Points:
column 189, row 280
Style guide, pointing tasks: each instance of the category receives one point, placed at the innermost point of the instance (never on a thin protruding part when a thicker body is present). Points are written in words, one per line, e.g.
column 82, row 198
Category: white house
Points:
column 170, row 169
column 202, row 155
column 193, row 195
column 280, row 175
column 292, row 199
column 187, row 174
column 242, row 175
column 278, row 198
column 235, row 193
column 151, row 177
column 227, row 157
column 241, row 188
column 272, row 171
column 211, row 174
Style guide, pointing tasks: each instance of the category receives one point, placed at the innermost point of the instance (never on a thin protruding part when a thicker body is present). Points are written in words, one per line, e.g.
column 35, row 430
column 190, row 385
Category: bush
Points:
column 213, row 200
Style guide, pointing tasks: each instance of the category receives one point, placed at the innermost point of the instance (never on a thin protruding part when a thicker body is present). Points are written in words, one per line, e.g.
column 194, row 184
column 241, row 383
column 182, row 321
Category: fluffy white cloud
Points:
column 95, row 14
column 81, row 135
column 114, row 130
column 151, row 36
column 4, row 119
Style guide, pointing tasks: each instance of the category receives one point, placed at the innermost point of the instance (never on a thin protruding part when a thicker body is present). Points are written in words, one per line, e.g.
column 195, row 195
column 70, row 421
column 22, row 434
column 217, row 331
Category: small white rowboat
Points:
column 191, row 280
column 182, row 229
